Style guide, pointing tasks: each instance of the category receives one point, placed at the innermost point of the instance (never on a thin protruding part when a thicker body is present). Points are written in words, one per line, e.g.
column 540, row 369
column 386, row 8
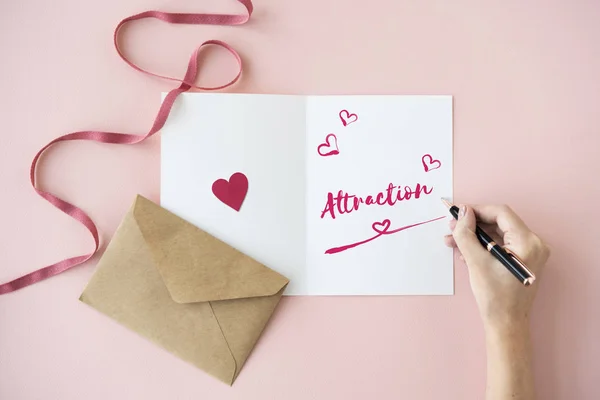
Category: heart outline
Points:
column 346, row 121
column 326, row 144
column 231, row 192
column 385, row 224
column 427, row 166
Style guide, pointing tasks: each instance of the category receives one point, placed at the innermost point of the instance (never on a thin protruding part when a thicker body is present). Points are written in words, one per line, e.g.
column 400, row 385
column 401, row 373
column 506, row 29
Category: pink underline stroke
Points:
column 187, row 83
column 380, row 233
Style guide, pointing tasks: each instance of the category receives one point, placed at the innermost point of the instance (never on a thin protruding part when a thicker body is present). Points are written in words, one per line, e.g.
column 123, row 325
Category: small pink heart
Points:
column 381, row 227
column 327, row 145
column 347, row 118
column 429, row 162
column 232, row 192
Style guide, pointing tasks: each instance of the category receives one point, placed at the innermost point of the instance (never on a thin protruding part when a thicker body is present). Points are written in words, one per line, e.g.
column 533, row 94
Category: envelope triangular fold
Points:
column 196, row 266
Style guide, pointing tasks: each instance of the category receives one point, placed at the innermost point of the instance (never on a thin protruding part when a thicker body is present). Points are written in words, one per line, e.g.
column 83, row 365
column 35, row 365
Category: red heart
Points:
column 233, row 192
column 328, row 145
column 381, row 227
column 349, row 118
column 428, row 165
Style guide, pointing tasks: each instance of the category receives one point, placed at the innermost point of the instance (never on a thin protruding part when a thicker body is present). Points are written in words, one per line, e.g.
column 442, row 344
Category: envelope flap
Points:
column 196, row 266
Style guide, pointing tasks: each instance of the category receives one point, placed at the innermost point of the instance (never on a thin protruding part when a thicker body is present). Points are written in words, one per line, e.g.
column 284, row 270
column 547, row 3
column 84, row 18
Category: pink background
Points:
column 525, row 76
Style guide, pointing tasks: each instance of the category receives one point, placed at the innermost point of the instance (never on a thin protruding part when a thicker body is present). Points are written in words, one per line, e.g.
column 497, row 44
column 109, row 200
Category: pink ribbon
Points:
column 187, row 83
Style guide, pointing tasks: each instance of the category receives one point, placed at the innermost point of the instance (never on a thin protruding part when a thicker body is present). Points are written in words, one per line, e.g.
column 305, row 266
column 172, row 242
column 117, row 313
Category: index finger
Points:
column 503, row 216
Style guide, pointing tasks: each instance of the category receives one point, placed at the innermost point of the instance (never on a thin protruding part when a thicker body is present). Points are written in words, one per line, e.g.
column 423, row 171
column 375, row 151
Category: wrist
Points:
column 513, row 329
column 508, row 348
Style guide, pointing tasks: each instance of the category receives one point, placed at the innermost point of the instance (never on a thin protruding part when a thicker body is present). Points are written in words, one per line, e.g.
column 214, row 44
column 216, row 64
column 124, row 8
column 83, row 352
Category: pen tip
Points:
column 446, row 203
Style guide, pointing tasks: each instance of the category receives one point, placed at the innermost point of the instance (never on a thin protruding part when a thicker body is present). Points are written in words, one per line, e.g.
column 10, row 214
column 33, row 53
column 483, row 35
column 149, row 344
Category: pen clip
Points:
column 531, row 279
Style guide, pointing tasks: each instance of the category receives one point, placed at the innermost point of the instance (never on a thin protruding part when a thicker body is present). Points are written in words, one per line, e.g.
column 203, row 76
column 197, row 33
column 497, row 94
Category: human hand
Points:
column 503, row 301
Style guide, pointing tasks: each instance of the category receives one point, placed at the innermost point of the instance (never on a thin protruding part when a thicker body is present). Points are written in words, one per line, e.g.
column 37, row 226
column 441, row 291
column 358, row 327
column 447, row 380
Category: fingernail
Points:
column 462, row 211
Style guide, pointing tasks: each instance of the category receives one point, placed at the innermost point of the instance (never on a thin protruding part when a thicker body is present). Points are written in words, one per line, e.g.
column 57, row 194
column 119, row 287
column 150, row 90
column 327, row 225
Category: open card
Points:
column 341, row 194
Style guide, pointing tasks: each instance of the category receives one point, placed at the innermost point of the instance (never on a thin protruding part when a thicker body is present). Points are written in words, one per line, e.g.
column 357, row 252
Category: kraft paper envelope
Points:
column 185, row 290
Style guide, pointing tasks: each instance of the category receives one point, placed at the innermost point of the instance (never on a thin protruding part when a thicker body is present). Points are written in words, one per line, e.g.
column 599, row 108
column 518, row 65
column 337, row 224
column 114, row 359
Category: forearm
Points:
column 509, row 372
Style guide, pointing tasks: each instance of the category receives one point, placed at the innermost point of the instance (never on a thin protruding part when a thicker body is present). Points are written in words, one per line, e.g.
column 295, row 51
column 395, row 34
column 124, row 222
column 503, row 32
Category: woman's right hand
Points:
column 502, row 299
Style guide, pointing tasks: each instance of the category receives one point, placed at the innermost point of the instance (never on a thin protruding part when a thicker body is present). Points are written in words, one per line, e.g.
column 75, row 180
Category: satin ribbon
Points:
column 187, row 83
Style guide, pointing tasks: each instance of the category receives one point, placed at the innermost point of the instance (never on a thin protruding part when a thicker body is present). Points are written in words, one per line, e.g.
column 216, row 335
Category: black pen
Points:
column 509, row 259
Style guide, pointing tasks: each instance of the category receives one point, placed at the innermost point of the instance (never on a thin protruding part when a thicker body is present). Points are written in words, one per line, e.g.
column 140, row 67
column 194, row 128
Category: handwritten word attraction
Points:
column 345, row 203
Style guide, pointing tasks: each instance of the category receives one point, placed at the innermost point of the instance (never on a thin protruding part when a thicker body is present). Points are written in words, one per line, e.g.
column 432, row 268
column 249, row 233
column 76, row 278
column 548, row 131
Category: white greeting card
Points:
column 341, row 194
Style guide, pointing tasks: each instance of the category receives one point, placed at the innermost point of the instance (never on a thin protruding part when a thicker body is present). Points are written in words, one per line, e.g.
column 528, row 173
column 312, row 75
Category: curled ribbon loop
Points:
column 186, row 84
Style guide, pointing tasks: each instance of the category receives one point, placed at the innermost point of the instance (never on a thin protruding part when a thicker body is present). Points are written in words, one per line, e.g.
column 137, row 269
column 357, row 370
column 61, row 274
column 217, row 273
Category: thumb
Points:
column 464, row 236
